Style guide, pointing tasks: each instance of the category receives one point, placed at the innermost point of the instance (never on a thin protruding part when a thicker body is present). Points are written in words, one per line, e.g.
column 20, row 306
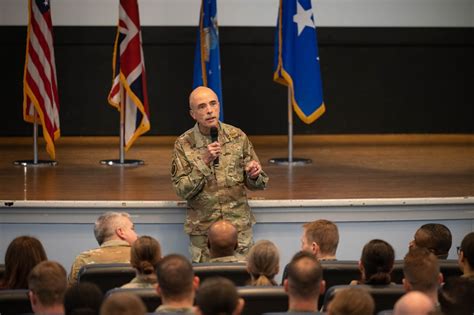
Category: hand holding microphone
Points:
column 213, row 149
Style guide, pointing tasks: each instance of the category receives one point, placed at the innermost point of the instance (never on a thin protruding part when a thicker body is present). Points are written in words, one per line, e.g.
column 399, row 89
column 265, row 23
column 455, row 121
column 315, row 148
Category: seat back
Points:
column 2, row 271
column 107, row 276
column 14, row 302
column 148, row 295
column 340, row 272
column 385, row 297
column 236, row 272
column 259, row 300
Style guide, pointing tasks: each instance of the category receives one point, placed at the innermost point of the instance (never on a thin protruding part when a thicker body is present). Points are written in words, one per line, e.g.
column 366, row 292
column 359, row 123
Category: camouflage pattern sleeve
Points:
column 249, row 154
column 76, row 266
column 188, row 171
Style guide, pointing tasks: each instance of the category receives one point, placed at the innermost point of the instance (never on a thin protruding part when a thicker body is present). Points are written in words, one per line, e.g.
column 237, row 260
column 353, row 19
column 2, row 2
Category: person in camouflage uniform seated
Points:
column 115, row 232
column 222, row 242
column 214, row 191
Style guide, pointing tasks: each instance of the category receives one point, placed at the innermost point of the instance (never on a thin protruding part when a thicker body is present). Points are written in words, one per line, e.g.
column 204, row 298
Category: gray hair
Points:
column 106, row 225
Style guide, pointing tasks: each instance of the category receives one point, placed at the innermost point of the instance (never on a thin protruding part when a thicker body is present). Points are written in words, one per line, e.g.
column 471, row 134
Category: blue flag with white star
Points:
column 296, row 58
column 207, row 62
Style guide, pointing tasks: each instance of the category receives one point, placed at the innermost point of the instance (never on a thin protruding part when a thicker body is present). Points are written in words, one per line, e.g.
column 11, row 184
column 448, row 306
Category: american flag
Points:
column 40, row 89
column 129, row 79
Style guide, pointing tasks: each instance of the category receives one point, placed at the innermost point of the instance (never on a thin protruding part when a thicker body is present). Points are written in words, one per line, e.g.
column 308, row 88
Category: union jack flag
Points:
column 40, row 89
column 129, row 77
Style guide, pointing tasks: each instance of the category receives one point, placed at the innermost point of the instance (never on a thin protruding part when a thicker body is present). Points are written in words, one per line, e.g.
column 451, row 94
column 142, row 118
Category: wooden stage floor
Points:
column 344, row 166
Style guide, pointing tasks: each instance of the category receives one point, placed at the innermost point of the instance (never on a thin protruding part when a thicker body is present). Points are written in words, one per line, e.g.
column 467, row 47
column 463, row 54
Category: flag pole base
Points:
column 37, row 163
column 284, row 161
column 124, row 163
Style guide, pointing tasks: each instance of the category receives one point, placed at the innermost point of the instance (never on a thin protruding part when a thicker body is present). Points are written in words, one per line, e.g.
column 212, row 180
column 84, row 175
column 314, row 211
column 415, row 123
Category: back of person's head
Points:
column 22, row 255
column 467, row 249
column 324, row 233
column 123, row 304
column 218, row 296
column 305, row 276
column 414, row 303
column 145, row 254
column 377, row 261
column 263, row 263
column 455, row 296
column 436, row 237
column 47, row 281
column 421, row 270
column 106, row 225
column 175, row 277
column 222, row 239
column 352, row 301
column 82, row 299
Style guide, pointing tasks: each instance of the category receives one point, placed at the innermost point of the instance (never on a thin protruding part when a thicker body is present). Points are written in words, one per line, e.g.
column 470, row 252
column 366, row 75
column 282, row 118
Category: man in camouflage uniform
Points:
column 115, row 233
column 222, row 242
column 214, row 191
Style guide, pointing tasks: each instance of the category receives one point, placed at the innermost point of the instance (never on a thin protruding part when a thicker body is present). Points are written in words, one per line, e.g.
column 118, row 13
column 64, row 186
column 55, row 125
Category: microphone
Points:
column 214, row 134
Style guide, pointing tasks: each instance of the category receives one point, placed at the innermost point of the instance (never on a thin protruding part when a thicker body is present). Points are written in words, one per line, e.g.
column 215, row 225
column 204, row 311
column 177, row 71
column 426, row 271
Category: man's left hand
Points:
column 253, row 169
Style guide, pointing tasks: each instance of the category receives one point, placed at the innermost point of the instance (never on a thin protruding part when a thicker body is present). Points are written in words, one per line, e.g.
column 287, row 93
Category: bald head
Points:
column 204, row 108
column 414, row 303
column 222, row 239
column 198, row 92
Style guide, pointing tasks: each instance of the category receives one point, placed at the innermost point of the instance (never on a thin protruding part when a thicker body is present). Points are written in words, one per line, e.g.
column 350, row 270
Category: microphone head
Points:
column 214, row 133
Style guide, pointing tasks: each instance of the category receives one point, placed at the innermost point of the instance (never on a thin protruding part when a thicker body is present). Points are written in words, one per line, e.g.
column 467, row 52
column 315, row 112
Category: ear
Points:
column 33, row 300
column 120, row 232
column 361, row 267
column 197, row 310
column 196, row 283
column 406, row 285
column 322, row 287
column 285, row 285
column 192, row 114
column 440, row 278
column 158, row 290
column 240, row 307
column 315, row 249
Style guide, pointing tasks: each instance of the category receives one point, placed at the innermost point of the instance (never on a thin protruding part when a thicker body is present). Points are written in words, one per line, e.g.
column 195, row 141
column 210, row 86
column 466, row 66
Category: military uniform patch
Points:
column 174, row 168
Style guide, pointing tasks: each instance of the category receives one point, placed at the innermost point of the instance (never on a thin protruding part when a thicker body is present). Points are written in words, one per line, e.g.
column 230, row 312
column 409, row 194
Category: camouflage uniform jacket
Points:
column 142, row 281
column 225, row 259
column 114, row 251
column 214, row 192
column 163, row 309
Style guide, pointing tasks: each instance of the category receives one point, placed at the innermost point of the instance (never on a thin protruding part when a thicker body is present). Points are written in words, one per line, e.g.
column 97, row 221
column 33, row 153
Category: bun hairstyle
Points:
column 145, row 254
column 377, row 259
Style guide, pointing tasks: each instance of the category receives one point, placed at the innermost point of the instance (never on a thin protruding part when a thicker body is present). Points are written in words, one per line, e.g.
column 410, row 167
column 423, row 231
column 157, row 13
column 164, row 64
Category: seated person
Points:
column 376, row 263
column 83, row 299
column 122, row 303
column 263, row 263
column 218, row 296
column 414, row 303
column 222, row 242
column 421, row 273
column 466, row 256
column 22, row 255
column 455, row 296
column 115, row 233
column 436, row 237
column 47, row 283
column 145, row 255
column 352, row 301
column 320, row 238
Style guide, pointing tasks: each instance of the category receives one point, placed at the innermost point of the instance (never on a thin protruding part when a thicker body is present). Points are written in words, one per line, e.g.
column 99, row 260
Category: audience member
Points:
column 421, row 273
column 436, row 237
column 222, row 242
column 115, row 232
column 176, row 285
column 414, row 303
column 456, row 296
column 145, row 255
column 376, row 263
column 83, row 299
column 466, row 256
column 123, row 304
column 352, row 301
column 263, row 263
column 304, row 284
column 218, row 296
column 320, row 238
column 22, row 255
column 47, row 283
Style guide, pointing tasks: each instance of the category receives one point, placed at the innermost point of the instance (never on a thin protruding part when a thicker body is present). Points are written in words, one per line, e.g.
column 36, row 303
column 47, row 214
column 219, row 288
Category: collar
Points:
column 203, row 140
column 113, row 243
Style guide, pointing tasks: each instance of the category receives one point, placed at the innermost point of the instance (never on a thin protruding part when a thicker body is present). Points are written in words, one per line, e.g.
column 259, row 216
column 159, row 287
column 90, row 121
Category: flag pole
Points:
column 290, row 160
column 122, row 161
column 35, row 161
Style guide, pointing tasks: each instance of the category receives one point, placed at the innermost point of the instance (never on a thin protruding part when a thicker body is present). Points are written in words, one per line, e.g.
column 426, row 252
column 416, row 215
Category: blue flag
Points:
column 207, row 62
column 296, row 60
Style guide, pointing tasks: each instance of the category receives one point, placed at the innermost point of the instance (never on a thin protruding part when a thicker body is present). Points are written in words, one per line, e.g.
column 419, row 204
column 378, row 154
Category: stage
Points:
column 343, row 167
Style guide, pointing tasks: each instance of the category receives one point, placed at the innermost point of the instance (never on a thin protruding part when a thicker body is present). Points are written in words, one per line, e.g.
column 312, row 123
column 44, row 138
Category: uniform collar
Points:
column 115, row 243
column 203, row 140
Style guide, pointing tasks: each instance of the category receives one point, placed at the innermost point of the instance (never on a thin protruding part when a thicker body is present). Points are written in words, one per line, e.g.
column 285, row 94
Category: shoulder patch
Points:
column 174, row 168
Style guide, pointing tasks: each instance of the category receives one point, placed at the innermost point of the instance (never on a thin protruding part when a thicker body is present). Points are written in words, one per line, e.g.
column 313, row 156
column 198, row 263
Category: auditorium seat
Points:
column 149, row 296
column 107, row 276
column 14, row 302
column 259, row 300
column 448, row 267
column 385, row 297
column 2, row 270
column 236, row 272
column 339, row 272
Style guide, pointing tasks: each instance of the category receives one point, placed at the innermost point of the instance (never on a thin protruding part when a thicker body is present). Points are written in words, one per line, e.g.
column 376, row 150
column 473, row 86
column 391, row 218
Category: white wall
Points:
column 371, row 13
